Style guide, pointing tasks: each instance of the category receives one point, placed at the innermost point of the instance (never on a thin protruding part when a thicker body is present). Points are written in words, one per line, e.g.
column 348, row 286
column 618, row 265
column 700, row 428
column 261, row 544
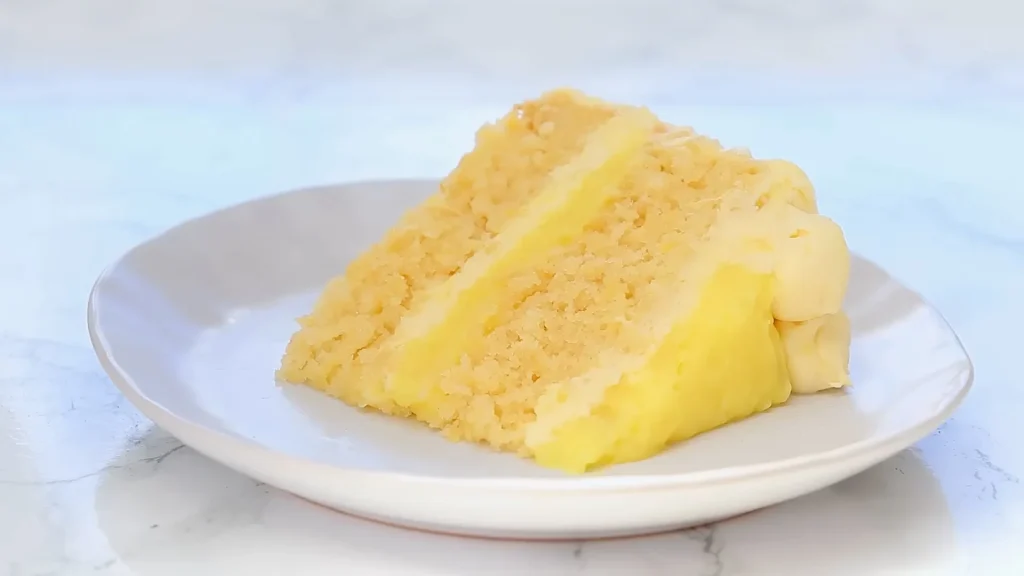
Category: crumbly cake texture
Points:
column 588, row 286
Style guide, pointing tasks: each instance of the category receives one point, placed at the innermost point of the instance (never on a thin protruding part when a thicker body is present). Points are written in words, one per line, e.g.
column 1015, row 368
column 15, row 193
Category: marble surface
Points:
column 119, row 119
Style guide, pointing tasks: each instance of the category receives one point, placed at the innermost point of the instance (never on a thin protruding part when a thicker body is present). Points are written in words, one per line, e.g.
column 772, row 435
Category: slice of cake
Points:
column 588, row 286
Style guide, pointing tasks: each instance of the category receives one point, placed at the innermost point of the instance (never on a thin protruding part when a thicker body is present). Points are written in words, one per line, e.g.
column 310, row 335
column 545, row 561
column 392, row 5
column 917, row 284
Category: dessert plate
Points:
column 191, row 324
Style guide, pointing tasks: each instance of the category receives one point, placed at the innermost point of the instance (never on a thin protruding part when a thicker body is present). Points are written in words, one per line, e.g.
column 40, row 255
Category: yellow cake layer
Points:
column 358, row 312
column 648, row 287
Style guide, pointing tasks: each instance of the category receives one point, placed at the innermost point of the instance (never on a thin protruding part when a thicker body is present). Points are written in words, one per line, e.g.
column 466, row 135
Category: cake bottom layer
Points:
column 723, row 362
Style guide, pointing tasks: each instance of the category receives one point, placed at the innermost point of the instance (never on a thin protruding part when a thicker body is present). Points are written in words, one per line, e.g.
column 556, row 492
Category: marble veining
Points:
column 113, row 127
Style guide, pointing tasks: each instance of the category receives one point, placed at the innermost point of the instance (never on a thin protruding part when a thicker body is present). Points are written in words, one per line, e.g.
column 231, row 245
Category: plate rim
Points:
column 171, row 421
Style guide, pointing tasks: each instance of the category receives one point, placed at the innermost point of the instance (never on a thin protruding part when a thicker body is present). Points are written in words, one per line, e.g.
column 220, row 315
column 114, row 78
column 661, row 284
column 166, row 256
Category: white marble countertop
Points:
column 119, row 119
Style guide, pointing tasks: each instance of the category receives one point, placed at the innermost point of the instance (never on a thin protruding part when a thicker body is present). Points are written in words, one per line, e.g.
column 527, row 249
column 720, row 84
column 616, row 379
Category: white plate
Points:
column 191, row 324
